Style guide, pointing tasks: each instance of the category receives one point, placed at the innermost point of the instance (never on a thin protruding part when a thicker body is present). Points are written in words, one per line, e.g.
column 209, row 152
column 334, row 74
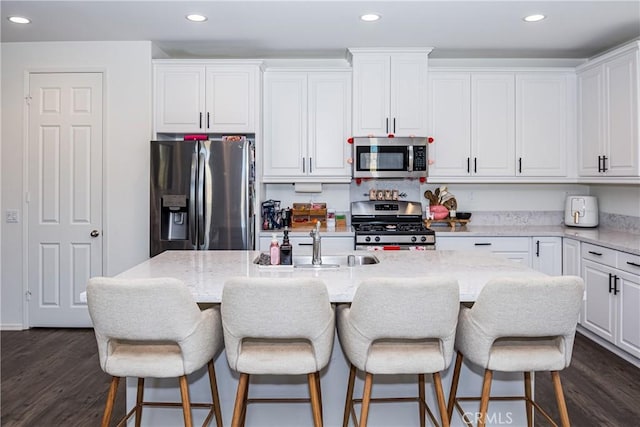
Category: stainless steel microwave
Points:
column 398, row 157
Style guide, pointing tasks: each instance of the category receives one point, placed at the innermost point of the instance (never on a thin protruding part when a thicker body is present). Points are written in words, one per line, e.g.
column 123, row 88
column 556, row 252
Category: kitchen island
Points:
column 205, row 273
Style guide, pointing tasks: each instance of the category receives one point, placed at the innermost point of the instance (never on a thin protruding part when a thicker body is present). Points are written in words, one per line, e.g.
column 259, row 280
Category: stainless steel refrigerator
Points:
column 202, row 194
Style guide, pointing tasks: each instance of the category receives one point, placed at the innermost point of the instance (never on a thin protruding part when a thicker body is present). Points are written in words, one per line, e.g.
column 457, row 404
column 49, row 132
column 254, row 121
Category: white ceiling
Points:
column 324, row 29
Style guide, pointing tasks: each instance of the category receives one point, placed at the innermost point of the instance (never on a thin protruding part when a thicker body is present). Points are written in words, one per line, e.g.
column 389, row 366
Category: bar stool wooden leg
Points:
column 317, row 374
column 562, row 405
column 215, row 399
column 315, row 400
column 366, row 399
column 186, row 404
column 437, row 382
column 349, row 400
column 454, row 385
column 240, row 400
column 245, row 402
column 139, row 400
column 484, row 399
column 421, row 398
column 527, row 394
column 111, row 398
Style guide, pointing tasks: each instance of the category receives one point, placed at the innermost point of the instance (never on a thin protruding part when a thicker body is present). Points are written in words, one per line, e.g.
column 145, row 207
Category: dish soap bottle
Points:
column 274, row 250
column 286, row 250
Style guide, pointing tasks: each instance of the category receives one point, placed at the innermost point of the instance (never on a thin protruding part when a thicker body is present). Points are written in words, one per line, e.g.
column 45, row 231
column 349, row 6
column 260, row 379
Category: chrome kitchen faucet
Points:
column 316, row 256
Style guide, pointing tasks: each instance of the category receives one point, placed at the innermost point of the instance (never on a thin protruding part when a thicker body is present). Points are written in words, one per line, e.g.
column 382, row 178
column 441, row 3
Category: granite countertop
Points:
column 614, row 239
column 206, row 271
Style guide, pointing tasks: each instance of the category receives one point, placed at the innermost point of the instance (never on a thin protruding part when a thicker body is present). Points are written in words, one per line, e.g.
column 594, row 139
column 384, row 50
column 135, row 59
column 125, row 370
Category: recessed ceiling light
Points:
column 370, row 17
column 196, row 18
column 19, row 20
column 534, row 18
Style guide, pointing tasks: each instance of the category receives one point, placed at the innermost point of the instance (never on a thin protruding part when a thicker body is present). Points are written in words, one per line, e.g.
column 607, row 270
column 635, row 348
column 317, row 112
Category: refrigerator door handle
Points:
column 201, row 172
column 192, row 198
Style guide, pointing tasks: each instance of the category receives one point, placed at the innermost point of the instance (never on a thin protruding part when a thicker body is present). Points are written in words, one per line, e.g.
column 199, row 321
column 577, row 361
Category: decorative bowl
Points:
column 463, row 215
column 439, row 211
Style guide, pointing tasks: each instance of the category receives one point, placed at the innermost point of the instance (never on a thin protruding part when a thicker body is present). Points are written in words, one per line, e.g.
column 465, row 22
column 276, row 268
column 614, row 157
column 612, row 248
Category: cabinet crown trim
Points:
column 606, row 56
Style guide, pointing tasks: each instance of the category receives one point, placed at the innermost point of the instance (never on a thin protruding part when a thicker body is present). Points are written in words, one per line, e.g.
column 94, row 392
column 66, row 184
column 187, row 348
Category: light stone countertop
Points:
column 613, row 239
column 206, row 271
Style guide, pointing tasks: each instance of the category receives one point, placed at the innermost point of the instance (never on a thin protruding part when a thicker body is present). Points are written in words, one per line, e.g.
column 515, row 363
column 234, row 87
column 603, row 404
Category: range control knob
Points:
column 377, row 238
column 424, row 238
column 367, row 239
column 413, row 239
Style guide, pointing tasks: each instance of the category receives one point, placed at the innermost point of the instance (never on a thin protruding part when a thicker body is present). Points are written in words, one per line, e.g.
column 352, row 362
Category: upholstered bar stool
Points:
column 519, row 324
column 399, row 326
column 276, row 326
column 152, row 328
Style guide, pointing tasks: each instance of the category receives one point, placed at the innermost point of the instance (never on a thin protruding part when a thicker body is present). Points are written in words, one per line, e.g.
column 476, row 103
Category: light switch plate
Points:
column 12, row 216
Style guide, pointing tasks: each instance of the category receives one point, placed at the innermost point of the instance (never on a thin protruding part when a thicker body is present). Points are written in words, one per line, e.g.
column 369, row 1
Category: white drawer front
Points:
column 491, row 244
column 599, row 254
column 629, row 262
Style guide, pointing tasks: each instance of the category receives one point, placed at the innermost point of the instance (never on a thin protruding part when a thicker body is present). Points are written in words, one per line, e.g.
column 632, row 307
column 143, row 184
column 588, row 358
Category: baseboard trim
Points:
column 612, row 348
column 12, row 327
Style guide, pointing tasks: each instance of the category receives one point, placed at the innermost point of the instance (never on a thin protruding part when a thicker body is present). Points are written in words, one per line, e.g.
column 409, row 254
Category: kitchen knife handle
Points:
column 538, row 248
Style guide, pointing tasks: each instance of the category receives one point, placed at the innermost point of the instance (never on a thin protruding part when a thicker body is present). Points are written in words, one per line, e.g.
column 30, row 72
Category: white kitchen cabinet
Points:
column 303, row 245
column 390, row 92
column 608, row 128
column 543, row 125
column 499, row 124
column 196, row 97
column 546, row 255
column 612, row 296
column 516, row 249
column 307, row 118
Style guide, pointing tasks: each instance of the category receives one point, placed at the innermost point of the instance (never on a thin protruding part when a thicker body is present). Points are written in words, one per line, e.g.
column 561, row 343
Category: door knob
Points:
column 95, row 233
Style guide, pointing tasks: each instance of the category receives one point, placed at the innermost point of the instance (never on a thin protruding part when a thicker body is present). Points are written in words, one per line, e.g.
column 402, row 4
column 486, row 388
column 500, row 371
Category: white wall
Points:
column 127, row 127
column 618, row 199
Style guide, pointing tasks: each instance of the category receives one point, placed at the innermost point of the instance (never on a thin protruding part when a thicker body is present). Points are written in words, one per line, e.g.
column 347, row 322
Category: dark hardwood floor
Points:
column 51, row 377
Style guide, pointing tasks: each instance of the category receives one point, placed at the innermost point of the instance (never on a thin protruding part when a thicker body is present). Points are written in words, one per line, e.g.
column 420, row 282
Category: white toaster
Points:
column 581, row 211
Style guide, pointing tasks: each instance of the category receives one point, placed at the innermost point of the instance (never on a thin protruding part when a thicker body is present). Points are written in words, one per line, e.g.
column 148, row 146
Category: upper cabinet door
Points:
column 542, row 124
column 450, row 123
column 372, row 85
column 230, row 99
column 493, row 124
column 329, row 124
column 621, row 80
column 285, row 124
column 180, row 99
column 408, row 95
column 590, row 121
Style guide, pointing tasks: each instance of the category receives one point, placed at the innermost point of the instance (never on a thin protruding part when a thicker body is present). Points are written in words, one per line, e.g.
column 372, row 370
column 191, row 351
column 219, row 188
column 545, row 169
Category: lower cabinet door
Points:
column 629, row 313
column 600, row 305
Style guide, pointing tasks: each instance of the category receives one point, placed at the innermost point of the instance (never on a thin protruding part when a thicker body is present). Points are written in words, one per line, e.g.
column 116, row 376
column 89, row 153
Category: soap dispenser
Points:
column 286, row 250
column 274, row 250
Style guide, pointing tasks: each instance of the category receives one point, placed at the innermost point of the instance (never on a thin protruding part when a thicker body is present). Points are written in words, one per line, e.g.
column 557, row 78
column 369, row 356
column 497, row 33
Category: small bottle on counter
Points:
column 274, row 250
column 286, row 250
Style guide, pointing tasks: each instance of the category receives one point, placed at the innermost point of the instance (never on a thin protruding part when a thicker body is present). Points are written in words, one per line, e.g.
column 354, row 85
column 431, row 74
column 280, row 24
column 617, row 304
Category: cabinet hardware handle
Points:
column 610, row 287
column 475, row 165
column 615, row 285
column 595, row 253
column 200, row 124
column 305, row 244
column 599, row 163
column 604, row 164
column 633, row 263
column 394, row 125
column 387, row 125
column 538, row 248
column 519, row 164
column 482, row 244
column 208, row 120
column 310, row 166
column 303, row 167
column 468, row 164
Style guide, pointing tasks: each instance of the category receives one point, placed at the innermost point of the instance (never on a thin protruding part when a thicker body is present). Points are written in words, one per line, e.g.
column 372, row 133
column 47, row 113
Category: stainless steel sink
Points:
column 331, row 261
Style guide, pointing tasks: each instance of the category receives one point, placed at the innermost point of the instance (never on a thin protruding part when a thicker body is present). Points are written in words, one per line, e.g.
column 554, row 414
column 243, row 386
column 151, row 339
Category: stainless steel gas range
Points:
column 390, row 225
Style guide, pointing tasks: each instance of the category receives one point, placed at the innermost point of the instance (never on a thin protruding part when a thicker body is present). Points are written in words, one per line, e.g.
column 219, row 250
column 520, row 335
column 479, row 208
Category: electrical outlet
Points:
column 12, row 216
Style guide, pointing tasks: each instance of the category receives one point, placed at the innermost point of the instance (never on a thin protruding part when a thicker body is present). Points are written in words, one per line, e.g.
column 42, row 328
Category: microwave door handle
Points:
column 410, row 162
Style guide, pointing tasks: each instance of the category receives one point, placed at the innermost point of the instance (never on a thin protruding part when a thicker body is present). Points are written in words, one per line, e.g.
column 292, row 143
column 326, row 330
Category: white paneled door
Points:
column 64, row 195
